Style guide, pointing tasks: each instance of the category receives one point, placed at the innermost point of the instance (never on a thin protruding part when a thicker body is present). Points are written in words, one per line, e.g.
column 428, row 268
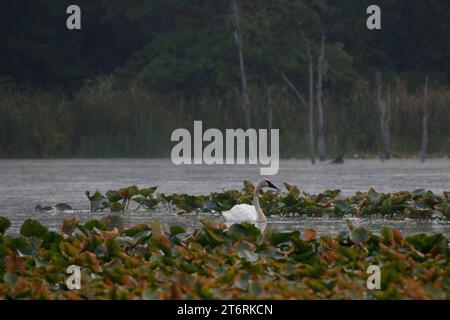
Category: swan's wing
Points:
column 241, row 212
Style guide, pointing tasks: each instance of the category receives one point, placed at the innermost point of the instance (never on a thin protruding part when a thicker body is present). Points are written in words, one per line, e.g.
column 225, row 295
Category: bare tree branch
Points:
column 311, row 100
column 269, row 117
column 423, row 151
column 238, row 39
column 293, row 88
column 320, row 72
column 384, row 122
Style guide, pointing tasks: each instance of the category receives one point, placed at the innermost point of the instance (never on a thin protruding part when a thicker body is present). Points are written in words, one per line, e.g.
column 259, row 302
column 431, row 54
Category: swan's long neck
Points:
column 259, row 212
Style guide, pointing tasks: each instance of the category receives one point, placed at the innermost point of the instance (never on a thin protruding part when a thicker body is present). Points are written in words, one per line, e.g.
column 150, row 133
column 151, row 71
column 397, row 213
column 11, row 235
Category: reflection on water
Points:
column 26, row 183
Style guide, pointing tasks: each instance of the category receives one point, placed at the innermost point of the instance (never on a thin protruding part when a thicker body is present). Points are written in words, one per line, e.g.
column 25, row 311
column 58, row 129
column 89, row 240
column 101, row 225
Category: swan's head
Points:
column 267, row 184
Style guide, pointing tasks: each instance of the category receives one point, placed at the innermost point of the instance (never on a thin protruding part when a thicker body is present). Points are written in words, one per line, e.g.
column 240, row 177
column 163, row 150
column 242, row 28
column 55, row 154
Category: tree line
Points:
column 138, row 69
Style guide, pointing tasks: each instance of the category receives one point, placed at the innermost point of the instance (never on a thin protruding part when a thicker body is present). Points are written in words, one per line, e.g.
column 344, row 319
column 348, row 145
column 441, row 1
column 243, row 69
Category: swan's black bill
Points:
column 271, row 185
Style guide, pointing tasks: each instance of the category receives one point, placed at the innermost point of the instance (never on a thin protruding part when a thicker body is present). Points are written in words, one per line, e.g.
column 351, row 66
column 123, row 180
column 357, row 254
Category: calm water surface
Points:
column 27, row 183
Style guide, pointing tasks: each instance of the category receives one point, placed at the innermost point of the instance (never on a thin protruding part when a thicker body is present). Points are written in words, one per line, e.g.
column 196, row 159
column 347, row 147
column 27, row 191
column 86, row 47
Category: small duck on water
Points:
column 41, row 208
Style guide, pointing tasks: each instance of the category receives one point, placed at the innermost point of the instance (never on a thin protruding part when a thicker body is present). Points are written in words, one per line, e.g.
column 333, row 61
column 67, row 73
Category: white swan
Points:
column 245, row 212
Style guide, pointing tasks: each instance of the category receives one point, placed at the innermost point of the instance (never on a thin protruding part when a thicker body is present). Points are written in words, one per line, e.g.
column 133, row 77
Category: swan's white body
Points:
column 246, row 212
column 241, row 212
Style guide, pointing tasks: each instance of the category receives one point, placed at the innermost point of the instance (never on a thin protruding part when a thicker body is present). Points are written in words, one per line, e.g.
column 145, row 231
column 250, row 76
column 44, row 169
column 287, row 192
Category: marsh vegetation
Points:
column 147, row 261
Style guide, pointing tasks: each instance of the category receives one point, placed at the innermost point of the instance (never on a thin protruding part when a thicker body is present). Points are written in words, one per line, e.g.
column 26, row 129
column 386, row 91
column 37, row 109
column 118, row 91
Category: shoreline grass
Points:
column 106, row 119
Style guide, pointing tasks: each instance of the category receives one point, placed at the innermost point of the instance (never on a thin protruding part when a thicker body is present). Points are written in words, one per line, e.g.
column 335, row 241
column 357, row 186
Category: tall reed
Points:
column 106, row 119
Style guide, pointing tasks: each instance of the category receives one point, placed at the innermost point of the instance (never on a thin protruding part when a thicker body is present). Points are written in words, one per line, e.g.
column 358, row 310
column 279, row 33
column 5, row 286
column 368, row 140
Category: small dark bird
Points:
column 41, row 208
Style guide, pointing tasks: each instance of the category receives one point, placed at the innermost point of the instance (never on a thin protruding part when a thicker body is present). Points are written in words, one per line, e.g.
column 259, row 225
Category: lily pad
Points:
column 63, row 207
column 243, row 231
column 425, row 243
column 359, row 235
column 69, row 226
column 174, row 230
column 33, row 228
column 5, row 224
column 277, row 238
column 112, row 221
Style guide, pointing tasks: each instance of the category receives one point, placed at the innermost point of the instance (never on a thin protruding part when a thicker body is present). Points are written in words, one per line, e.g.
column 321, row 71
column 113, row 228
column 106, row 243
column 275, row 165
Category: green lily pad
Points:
column 174, row 230
column 245, row 251
column 69, row 226
column 344, row 207
column 97, row 200
column 91, row 224
column 147, row 191
column 419, row 192
column 150, row 295
column 114, row 206
column 27, row 247
column 131, row 232
column 112, row 221
column 33, row 228
column 63, row 207
column 39, row 263
column 18, row 244
column 5, row 224
column 359, row 235
column 112, row 248
column 425, row 243
column 242, row 280
column 10, row 278
column 243, row 231
column 213, row 238
column 277, row 238
column 51, row 238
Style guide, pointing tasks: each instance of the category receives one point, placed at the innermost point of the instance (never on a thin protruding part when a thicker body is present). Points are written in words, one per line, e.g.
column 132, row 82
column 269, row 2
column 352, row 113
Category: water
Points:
column 27, row 183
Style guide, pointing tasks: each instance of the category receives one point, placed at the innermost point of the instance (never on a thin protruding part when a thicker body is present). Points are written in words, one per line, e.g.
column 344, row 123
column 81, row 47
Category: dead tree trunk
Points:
column 245, row 94
column 269, row 117
column 384, row 117
column 320, row 71
column 423, row 150
column 312, row 152
column 388, row 115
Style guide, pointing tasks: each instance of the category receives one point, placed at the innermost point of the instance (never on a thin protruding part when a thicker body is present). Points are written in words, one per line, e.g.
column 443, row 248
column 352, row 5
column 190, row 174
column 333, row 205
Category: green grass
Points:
column 104, row 119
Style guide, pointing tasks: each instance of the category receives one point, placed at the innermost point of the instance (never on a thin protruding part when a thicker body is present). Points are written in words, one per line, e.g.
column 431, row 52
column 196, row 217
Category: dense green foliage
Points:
column 418, row 204
column 139, row 69
column 150, row 262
